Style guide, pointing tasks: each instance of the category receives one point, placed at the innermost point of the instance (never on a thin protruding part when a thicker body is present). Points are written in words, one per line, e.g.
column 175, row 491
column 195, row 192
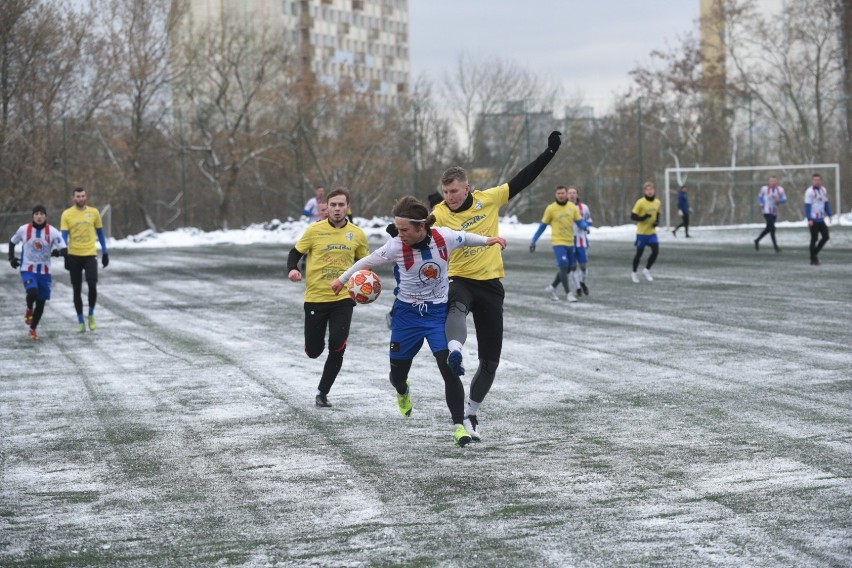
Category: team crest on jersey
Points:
column 429, row 272
column 472, row 221
column 38, row 245
column 478, row 205
column 350, row 235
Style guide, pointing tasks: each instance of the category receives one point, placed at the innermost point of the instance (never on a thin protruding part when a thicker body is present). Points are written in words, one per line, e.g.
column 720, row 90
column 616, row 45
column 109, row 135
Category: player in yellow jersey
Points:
column 561, row 215
column 332, row 246
column 82, row 229
column 475, row 273
column 646, row 213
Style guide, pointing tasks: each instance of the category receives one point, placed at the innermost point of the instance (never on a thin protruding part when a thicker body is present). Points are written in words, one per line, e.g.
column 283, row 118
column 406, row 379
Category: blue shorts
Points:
column 564, row 255
column 644, row 240
column 582, row 254
column 42, row 282
column 411, row 324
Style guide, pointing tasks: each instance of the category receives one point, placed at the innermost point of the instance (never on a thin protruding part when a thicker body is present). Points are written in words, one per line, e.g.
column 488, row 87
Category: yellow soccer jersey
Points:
column 330, row 252
column 642, row 208
column 476, row 263
column 81, row 227
column 561, row 219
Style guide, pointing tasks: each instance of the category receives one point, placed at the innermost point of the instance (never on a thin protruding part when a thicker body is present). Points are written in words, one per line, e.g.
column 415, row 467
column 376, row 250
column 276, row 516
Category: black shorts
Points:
column 76, row 265
column 484, row 300
column 331, row 317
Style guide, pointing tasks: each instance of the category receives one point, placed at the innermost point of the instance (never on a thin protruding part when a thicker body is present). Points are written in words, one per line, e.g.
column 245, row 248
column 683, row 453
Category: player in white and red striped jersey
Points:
column 581, row 242
column 771, row 196
column 39, row 241
column 817, row 209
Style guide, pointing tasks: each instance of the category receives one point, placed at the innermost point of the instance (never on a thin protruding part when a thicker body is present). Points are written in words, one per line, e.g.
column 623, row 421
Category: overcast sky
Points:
column 587, row 46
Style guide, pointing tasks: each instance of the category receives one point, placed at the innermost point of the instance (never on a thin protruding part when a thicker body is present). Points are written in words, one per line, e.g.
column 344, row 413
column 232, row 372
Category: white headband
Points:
column 409, row 220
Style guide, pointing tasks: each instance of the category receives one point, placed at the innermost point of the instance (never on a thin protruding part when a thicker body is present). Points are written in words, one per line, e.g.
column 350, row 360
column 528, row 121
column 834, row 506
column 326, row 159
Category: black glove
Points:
column 391, row 230
column 532, row 247
column 647, row 216
column 105, row 260
column 554, row 140
column 14, row 262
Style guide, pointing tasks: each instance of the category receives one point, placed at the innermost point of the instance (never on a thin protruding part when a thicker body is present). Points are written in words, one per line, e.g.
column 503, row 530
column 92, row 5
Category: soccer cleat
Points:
column 455, row 362
column 33, row 335
column 647, row 274
column 81, row 327
column 675, row 233
column 777, row 249
column 756, row 245
column 28, row 316
column 814, row 261
column 571, row 297
column 634, row 277
column 322, row 401
column 585, row 288
column 578, row 292
column 91, row 323
column 461, row 436
column 403, row 401
column 472, row 427
column 552, row 291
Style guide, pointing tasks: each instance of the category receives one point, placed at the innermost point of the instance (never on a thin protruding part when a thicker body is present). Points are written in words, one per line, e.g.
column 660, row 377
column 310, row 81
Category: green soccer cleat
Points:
column 403, row 401
column 91, row 323
column 461, row 437
column 81, row 327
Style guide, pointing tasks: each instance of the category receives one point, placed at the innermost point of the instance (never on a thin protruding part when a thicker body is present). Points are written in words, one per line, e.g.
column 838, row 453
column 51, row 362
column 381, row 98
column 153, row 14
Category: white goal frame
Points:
column 779, row 168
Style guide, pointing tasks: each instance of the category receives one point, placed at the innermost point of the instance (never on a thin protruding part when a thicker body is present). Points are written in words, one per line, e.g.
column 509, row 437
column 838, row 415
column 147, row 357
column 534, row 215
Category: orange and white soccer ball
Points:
column 364, row 286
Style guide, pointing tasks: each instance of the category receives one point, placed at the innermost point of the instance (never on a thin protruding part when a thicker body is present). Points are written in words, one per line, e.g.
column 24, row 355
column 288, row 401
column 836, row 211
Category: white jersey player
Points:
column 581, row 242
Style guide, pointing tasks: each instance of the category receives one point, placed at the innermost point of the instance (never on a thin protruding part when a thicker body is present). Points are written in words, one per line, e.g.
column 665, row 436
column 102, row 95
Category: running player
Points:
column 39, row 241
column 771, row 196
column 561, row 215
column 817, row 208
column 581, row 241
column 475, row 274
column 420, row 254
column 81, row 228
column 331, row 246
column 683, row 210
column 646, row 212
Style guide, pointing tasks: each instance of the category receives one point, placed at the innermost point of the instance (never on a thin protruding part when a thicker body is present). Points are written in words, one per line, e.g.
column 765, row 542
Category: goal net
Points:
column 728, row 196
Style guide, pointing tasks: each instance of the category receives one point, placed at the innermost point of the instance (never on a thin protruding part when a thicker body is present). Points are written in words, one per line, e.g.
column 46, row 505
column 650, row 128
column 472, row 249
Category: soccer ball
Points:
column 364, row 286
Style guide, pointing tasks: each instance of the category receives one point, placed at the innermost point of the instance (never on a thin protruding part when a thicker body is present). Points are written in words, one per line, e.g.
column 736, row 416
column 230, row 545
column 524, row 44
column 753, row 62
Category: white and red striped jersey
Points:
column 37, row 245
column 421, row 274
column 581, row 237
column 817, row 198
column 770, row 198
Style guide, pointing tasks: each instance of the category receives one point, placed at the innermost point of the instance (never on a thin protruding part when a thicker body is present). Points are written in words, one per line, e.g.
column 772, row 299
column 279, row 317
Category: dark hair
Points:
column 39, row 209
column 340, row 190
column 816, row 176
column 409, row 207
column 79, row 190
column 558, row 187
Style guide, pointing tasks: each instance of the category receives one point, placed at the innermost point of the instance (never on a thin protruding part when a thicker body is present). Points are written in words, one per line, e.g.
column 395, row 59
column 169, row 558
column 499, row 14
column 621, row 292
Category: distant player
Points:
column 683, row 211
column 39, row 241
column 420, row 254
column 331, row 246
column 646, row 213
column 312, row 209
column 581, row 242
column 771, row 196
column 82, row 229
column 560, row 216
column 817, row 208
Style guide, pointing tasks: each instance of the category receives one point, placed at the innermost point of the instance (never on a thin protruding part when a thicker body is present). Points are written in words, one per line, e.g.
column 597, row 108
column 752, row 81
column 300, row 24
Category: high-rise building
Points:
column 362, row 42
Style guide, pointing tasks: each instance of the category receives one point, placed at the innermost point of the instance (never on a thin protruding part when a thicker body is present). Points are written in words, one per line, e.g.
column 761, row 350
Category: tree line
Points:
column 176, row 128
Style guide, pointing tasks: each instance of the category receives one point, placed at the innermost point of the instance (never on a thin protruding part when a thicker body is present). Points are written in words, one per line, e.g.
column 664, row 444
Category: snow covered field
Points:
column 704, row 419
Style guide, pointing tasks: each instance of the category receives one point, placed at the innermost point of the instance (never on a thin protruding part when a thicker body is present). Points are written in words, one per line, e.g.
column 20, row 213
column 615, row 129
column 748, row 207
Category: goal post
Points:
column 734, row 191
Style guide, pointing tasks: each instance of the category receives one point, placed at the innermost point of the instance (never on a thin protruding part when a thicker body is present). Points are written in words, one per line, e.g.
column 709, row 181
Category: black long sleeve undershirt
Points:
column 527, row 175
column 293, row 259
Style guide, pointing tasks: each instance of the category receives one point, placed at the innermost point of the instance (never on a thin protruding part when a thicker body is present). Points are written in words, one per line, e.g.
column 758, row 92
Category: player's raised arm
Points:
column 527, row 175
